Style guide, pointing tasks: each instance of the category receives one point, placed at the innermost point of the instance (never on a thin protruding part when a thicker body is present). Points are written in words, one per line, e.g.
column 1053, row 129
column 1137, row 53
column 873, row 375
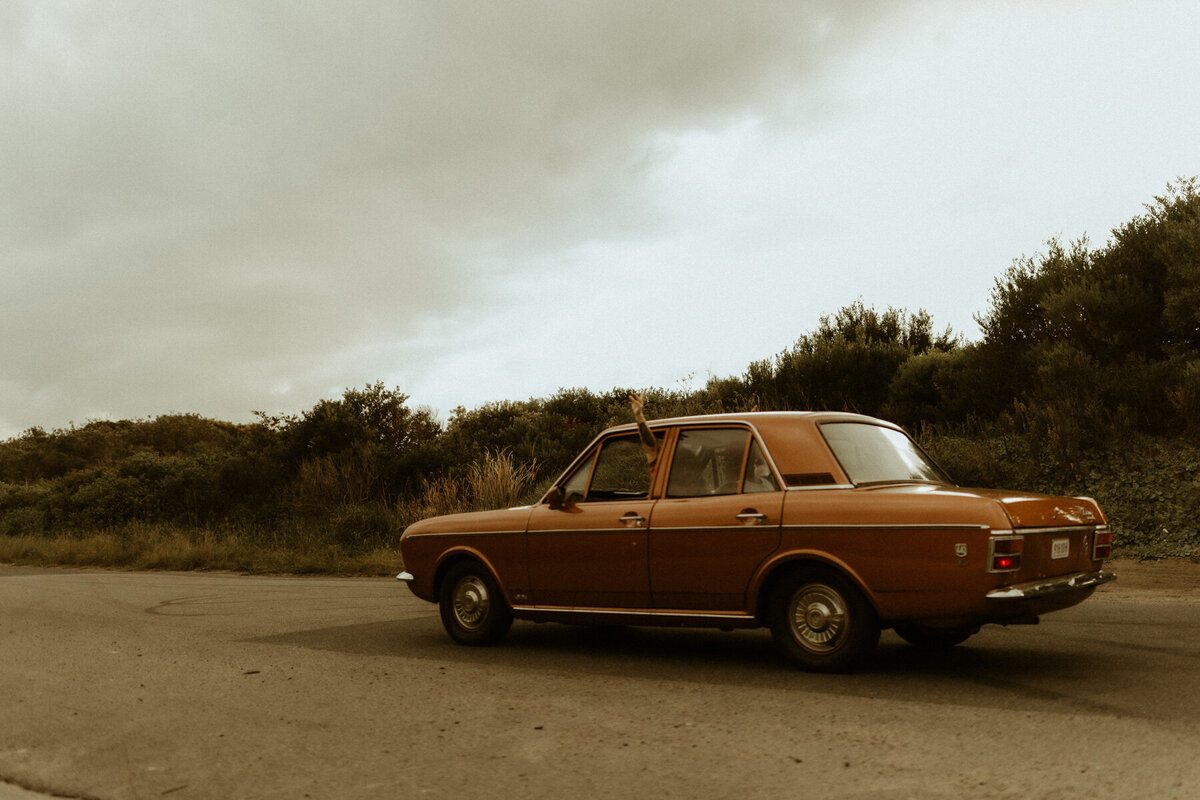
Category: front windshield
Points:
column 875, row 454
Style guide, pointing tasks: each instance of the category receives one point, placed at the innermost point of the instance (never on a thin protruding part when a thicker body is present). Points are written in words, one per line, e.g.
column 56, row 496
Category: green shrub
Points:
column 364, row 526
column 1184, row 397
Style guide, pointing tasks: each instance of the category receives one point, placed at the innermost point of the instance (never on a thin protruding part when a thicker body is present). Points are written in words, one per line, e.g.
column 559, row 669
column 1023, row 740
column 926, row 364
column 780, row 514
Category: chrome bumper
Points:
column 1062, row 583
column 405, row 576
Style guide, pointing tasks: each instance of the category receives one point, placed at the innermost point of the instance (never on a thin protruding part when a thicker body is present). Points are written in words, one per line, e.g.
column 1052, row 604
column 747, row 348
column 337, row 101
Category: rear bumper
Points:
column 1052, row 586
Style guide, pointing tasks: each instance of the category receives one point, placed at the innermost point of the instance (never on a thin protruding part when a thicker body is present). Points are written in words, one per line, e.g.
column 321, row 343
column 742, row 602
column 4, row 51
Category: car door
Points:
column 718, row 520
column 591, row 553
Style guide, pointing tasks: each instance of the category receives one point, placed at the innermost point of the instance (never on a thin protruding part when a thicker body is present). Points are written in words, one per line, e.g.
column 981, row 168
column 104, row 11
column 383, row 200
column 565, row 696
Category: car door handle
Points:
column 752, row 517
column 632, row 520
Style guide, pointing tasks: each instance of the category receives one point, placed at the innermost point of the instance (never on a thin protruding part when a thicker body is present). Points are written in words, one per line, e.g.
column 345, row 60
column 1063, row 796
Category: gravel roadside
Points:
column 1165, row 578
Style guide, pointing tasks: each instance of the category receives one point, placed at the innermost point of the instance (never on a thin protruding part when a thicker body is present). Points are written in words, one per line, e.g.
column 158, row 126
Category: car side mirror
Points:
column 558, row 501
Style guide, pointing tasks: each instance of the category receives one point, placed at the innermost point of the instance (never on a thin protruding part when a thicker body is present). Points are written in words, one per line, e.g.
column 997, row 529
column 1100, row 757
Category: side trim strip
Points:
column 816, row 526
column 463, row 533
column 631, row 613
column 958, row 527
column 753, row 526
column 560, row 532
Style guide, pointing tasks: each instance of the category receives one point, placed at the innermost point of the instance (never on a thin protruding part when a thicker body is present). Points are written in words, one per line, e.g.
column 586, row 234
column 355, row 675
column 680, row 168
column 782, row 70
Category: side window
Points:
column 758, row 472
column 708, row 461
column 576, row 486
column 620, row 472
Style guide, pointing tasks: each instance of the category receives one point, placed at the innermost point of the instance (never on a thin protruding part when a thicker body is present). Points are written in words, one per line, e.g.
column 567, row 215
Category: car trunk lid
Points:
column 1040, row 511
column 1057, row 533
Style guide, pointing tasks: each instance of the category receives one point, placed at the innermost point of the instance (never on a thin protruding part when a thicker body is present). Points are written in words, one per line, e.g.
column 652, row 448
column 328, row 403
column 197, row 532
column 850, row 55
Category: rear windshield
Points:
column 875, row 454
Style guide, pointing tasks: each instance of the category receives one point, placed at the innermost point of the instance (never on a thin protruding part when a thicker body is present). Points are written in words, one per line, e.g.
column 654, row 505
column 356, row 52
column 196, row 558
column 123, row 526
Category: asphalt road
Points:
column 145, row 685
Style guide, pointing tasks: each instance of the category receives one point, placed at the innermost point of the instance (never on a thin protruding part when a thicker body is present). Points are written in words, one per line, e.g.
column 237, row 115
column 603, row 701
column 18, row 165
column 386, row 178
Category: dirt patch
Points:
column 1165, row 578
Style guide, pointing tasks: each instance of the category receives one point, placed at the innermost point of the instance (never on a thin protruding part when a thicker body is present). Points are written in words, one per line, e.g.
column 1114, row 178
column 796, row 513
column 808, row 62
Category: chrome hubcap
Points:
column 470, row 602
column 818, row 618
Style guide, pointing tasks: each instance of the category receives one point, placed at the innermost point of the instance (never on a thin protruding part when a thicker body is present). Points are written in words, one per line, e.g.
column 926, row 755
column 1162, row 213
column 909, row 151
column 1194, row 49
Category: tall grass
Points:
column 495, row 480
column 351, row 535
column 142, row 546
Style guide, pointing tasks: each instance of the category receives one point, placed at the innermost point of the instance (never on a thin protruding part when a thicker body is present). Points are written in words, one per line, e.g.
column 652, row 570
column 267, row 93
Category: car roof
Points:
column 758, row 418
column 791, row 438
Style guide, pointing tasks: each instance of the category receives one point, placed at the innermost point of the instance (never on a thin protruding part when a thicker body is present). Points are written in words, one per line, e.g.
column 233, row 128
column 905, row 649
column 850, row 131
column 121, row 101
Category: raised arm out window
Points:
column 619, row 472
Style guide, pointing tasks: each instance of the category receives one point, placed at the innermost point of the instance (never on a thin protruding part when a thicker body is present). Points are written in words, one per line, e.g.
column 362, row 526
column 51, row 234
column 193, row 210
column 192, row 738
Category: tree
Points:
column 1130, row 312
column 848, row 363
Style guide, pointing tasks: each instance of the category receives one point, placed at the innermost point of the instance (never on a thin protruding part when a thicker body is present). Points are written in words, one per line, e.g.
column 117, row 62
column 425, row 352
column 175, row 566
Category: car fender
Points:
column 465, row 553
column 780, row 563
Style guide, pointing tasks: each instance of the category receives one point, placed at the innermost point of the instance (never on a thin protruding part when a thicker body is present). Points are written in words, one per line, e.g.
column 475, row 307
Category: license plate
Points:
column 1060, row 548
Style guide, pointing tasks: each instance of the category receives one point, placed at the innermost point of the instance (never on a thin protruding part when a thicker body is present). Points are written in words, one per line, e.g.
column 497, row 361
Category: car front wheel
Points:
column 822, row 622
column 472, row 607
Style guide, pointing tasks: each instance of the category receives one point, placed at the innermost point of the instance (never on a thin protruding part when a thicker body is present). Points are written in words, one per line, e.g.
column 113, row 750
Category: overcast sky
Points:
column 222, row 206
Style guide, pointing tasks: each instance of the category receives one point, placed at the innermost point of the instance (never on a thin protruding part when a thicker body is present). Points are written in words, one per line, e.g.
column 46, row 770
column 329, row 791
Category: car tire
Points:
column 472, row 606
column 821, row 622
column 928, row 638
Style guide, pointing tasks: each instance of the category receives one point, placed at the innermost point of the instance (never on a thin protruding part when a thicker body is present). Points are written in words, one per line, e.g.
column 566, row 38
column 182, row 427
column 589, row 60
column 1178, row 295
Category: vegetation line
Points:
column 1086, row 382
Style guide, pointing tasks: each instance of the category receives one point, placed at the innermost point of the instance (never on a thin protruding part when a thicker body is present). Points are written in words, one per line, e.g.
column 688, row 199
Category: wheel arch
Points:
column 459, row 555
column 776, row 569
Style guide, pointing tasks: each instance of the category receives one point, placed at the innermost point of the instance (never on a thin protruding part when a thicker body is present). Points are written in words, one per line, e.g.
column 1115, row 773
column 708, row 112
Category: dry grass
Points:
column 497, row 481
column 350, row 543
column 494, row 481
column 156, row 547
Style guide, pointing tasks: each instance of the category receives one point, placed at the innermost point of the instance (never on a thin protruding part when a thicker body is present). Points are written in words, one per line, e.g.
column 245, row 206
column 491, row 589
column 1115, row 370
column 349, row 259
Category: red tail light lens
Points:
column 1101, row 543
column 1004, row 553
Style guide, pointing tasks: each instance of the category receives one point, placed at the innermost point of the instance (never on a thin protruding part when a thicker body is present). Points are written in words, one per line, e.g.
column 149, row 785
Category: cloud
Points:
column 219, row 206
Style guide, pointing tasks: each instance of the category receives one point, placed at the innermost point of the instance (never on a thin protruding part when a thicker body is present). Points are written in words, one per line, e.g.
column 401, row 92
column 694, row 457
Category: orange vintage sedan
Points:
column 825, row 527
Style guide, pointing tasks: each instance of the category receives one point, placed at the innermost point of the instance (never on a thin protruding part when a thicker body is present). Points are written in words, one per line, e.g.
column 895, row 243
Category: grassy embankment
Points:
column 1149, row 490
column 319, row 544
column 148, row 546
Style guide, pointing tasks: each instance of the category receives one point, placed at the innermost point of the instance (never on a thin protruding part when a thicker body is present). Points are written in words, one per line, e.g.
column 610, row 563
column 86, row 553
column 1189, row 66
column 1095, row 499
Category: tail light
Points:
column 1004, row 553
column 1101, row 543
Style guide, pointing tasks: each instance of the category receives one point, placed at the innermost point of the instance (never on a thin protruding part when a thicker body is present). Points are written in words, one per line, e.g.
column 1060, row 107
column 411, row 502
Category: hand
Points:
column 637, row 403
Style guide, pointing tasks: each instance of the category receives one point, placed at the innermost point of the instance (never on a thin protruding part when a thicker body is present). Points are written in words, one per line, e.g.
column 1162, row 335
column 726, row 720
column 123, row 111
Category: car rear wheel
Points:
column 822, row 622
column 472, row 607
column 928, row 638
